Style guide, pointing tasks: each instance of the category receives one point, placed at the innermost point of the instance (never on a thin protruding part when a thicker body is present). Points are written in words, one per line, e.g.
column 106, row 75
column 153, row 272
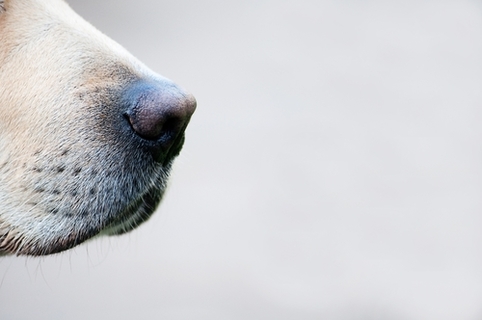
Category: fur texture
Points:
column 70, row 167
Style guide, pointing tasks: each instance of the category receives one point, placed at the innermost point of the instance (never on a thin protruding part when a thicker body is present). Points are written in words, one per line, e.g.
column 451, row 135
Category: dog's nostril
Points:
column 146, row 123
column 151, row 123
column 159, row 112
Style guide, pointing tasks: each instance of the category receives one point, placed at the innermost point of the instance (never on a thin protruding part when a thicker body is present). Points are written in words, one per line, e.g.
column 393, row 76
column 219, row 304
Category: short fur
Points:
column 65, row 175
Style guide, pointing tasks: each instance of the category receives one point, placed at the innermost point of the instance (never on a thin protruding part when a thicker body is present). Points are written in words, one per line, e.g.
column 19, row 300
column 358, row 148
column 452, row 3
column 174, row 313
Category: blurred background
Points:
column 333, row 169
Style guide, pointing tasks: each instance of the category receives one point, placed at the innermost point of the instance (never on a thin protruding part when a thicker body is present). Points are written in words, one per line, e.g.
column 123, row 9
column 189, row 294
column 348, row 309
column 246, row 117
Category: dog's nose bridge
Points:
column 158, row 112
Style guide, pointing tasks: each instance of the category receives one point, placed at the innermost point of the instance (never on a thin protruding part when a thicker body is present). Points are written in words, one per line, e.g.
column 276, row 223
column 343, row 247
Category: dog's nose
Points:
column 159, row 112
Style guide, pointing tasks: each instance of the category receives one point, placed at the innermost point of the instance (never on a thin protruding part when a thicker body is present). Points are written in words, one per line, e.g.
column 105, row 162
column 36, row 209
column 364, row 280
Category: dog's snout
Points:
column 159, row 113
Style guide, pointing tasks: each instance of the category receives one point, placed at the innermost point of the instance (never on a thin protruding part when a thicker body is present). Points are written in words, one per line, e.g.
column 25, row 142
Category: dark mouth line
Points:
column 135, row 214
column 174, row 150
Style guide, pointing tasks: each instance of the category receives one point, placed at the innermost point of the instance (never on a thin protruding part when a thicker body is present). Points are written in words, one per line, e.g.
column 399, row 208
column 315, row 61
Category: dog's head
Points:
column 87, row 133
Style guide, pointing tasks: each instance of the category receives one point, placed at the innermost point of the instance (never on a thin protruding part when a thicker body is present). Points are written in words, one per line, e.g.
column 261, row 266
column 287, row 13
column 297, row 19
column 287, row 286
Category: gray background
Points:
column 333, row 169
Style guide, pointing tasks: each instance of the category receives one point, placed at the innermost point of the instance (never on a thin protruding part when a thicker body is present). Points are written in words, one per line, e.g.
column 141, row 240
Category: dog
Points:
column 88, row 133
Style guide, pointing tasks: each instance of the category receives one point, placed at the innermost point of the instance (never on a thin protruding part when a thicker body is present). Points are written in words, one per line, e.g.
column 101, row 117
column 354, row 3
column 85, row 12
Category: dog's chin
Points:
column 124, row 221
column 65, row 231
column 128, row 218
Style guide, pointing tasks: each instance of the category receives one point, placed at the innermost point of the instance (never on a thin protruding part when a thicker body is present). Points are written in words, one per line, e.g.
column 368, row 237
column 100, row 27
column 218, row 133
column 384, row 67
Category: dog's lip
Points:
column 174, row 150
column 133, row 215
